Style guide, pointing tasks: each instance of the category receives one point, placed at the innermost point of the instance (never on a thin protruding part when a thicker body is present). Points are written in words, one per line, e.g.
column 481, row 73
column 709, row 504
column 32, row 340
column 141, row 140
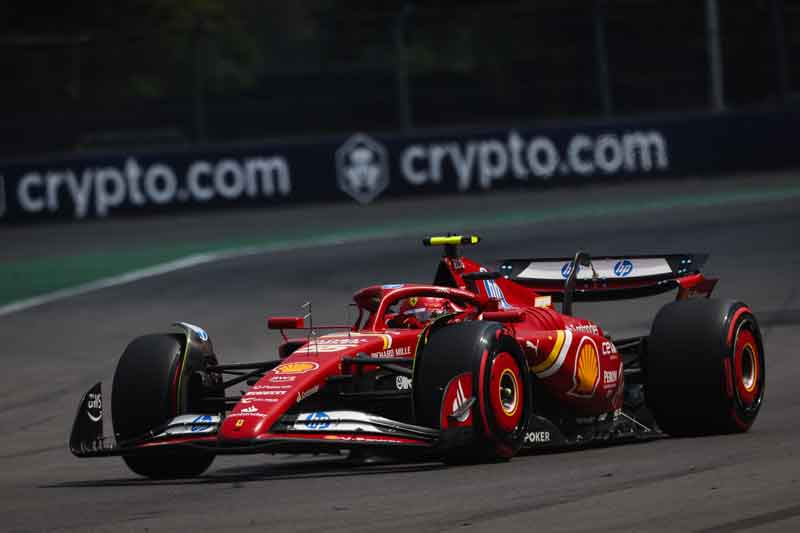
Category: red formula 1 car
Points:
column 474, row 367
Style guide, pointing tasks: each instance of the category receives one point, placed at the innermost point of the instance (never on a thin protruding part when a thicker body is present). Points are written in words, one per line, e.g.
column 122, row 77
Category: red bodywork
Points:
column 570, row 356
column 309, row 400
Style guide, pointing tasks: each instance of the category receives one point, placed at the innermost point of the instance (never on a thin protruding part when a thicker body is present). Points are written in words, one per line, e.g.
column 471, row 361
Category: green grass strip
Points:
column 28, row 278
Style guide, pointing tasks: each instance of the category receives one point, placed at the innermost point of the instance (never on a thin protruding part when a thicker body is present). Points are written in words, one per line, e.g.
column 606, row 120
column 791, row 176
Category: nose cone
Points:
column 288, row 383
column 242, row 426
column 280, row 388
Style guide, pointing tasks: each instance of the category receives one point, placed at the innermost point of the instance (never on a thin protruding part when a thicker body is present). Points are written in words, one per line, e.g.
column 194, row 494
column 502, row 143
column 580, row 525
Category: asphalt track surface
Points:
column 53, row 352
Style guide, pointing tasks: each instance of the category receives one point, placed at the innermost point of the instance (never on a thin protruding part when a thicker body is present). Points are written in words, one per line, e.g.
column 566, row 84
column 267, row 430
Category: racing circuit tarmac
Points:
column 52, row 353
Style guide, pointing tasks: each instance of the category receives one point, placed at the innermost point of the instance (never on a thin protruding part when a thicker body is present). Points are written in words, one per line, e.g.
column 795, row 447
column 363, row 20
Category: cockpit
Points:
column 411, row 306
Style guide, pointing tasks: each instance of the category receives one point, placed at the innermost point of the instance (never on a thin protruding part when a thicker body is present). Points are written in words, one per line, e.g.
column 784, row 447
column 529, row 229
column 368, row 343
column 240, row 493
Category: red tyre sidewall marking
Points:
column 504, row 367
column 745, row 341
column 734, row 319
column 728, row 378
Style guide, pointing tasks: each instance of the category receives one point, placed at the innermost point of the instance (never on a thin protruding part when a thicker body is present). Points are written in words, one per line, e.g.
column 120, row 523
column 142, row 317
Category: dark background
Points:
column 130, row 74
column 167, row 74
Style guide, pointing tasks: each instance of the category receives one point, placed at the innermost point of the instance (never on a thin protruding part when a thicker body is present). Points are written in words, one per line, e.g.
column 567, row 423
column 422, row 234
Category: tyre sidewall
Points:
column 688, row 387
column 144, row 384
column 152, row 384
column 506, row 443
column 469, row 347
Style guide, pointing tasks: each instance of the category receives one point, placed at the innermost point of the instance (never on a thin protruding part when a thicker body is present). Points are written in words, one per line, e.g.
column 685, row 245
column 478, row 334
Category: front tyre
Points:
column 151, row 387
column 493, row 368
column 705, row 367
column 188, row 463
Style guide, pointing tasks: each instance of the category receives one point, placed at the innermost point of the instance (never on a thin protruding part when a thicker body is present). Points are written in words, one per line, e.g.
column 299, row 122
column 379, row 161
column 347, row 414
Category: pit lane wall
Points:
column 365, row 168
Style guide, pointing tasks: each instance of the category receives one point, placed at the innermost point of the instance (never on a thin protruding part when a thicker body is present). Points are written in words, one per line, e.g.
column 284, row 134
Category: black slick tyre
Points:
column 187, row 463
column 145, row 395
column 500, row 388
column 705, row 368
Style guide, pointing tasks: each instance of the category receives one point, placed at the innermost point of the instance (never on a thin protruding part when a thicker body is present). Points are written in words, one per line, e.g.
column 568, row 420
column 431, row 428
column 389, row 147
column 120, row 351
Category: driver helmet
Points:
column 424, row 308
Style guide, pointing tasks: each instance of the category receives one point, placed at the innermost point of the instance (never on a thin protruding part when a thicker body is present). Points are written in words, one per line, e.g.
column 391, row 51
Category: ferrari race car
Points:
column 475, row 367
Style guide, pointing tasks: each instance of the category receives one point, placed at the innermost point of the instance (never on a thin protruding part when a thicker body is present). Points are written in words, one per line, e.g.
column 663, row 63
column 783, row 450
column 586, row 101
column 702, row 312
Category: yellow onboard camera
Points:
column 451, row 240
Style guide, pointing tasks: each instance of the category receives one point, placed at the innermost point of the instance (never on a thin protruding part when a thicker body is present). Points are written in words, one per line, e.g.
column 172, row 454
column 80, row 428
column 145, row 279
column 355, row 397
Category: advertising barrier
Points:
column 368, row 168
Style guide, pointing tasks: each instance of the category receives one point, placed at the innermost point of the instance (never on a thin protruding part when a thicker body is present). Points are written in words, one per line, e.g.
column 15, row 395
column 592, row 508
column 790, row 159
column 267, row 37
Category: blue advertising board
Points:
column 367, row 168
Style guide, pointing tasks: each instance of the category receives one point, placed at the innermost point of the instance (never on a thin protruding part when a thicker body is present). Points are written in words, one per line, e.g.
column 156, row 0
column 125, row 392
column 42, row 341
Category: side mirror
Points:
column 285, row 322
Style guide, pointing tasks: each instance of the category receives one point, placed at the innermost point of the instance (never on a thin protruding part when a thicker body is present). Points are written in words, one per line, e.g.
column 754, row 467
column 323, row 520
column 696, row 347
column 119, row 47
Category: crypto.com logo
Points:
column 362, row 168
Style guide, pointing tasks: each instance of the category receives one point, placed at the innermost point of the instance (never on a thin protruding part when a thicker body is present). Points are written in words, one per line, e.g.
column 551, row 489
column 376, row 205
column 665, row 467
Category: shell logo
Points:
column 587, row 370
column 296, row 368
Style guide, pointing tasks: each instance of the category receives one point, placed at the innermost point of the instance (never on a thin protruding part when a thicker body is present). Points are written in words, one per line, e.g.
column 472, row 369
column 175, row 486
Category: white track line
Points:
column 179, row 264
column 129, row 277
column 203, row 258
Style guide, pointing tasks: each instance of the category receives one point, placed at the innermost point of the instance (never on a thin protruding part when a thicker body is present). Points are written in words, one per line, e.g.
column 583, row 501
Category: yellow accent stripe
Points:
column 387, row 340
column 453, row 240
column 548, row 362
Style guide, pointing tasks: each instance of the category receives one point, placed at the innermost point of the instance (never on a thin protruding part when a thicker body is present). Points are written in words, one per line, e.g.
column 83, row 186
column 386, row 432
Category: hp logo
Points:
column 201, row 423
column 623, row 268
column 318, row 420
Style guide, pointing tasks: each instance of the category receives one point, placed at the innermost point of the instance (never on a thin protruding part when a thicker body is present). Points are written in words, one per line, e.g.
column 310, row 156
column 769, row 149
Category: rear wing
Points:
column 610, row 278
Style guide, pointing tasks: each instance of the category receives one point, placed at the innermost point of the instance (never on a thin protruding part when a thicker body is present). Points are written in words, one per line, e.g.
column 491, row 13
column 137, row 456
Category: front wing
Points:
column 307, row 432
column 329, row 432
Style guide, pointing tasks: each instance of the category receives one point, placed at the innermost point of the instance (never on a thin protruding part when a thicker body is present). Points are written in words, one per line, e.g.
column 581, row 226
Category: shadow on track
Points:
column 326, row 468
column 339, row 467
column 353, row 465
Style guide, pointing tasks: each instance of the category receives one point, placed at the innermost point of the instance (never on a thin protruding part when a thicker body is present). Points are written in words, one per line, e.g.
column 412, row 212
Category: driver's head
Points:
column 424, row 308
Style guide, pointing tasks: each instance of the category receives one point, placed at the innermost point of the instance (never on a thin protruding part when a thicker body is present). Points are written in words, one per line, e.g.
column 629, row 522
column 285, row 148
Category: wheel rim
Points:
column 506, row 393
column 748, row 371
column 509, row 393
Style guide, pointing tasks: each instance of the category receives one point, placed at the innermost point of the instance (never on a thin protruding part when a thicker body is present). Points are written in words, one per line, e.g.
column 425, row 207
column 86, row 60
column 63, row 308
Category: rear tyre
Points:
column 705, row 368
column 146, row 393
column 500, row 386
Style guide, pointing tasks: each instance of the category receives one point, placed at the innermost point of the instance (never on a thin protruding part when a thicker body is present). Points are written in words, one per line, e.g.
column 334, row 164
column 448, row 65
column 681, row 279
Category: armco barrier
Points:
column 368, row 168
